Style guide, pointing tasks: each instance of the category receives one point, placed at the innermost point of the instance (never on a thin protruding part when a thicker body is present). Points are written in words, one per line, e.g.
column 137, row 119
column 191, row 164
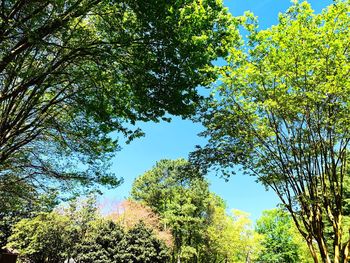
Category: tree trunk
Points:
column 312, row 251
column 345, row 251
column 324, row 251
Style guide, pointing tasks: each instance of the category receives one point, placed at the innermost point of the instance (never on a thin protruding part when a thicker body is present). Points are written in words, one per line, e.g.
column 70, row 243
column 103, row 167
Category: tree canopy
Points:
column 73, row 72
column 76, row 79
column 281, row 114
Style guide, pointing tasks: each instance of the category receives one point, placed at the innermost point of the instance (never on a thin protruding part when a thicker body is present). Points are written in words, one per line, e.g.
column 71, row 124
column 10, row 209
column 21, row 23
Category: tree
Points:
column 281, row 114
column 104, row 242
column 231, row 238
column 44, row 238
column 144, row 247
column 130, row 214
column 281, row 242
column 79, row 233
column 107, row 242
column 43, row 232
column 180, row 196
column 14, row 207
column 73, row 72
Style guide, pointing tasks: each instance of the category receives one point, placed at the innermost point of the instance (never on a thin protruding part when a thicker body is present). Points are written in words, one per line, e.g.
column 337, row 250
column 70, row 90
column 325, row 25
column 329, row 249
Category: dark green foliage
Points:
column 104, row 242
column 107, row 242
column 143, row 247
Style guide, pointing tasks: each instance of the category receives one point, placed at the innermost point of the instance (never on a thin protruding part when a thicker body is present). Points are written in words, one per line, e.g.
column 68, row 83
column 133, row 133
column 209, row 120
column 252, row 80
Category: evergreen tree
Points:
column 142, row 246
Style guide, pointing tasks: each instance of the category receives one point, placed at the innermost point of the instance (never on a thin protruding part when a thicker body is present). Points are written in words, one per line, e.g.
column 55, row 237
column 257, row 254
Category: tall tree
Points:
column 72, row 72
column 181, row 197
column 281, row 113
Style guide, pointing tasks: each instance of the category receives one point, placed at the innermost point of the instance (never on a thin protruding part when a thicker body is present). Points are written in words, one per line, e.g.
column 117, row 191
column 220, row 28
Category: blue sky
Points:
column 178, row 138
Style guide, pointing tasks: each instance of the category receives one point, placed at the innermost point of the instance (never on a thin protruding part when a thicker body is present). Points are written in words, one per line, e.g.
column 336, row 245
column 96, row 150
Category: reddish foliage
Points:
column 129, row 213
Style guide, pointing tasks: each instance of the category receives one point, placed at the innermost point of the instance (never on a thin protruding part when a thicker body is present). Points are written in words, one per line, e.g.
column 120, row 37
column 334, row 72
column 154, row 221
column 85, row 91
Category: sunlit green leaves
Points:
column 75, row 72
column 281, row 111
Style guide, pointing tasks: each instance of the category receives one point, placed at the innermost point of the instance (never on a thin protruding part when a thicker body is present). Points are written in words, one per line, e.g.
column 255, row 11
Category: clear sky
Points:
column 178, row 138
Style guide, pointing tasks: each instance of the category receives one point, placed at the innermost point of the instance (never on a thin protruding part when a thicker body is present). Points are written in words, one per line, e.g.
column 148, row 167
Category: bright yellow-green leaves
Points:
column 300, row 62
column 233, row 237
column 281, row 112
column 45, row 236
column 285, row 75
column 280, row 239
